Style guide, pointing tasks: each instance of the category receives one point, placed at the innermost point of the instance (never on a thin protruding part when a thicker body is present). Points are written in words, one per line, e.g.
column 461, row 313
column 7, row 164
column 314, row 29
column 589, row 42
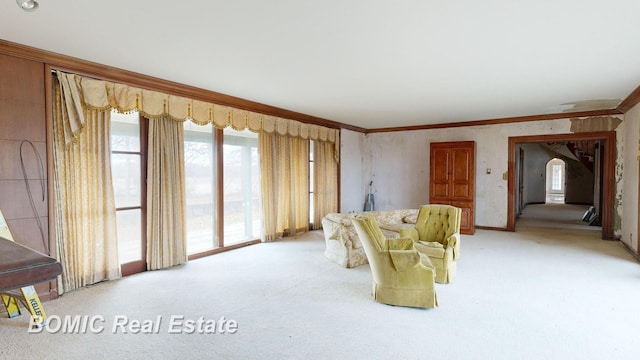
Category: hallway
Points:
column 554, row 216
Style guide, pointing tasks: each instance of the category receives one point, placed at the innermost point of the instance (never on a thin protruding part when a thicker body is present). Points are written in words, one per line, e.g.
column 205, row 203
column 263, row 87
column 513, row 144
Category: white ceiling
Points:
column 367, row 63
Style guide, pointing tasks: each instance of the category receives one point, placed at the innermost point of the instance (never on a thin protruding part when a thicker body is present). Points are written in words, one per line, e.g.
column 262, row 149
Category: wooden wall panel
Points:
column 22, row 117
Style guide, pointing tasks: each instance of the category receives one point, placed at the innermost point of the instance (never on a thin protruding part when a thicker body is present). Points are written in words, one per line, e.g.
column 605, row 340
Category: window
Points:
column 236, row 219
column 556, row 177
column 555, row 181
column 241, row 174
column 200, row 171
column 128, row 170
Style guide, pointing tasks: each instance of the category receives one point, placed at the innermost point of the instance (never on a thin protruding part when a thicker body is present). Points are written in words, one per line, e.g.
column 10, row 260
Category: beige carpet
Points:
column 534, row 294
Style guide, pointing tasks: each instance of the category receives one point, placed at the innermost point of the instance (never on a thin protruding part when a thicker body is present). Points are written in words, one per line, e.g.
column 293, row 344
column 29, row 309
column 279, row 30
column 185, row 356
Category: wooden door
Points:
column 452, row 179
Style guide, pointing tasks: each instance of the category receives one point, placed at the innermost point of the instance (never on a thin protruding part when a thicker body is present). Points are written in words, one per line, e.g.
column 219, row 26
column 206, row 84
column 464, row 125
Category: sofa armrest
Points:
column 335, row 231
column 453, row 243
column 401, row 243
column 404, row 260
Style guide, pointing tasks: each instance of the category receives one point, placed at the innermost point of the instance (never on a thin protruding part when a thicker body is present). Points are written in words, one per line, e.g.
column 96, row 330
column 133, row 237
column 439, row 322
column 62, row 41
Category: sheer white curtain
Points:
column 85, row 212
column 166, row 204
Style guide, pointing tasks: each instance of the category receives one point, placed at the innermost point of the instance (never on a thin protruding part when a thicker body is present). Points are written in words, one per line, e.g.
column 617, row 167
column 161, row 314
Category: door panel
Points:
column 460, row 191
column 462, row 170
column 440, row 183
column 460, row 167
column 467, row 218
column 440, row 191
column 452, row 179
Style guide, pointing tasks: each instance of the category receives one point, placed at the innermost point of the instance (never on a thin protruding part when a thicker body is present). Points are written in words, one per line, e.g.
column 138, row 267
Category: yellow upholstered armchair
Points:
column 401, row 275
column 437, row 235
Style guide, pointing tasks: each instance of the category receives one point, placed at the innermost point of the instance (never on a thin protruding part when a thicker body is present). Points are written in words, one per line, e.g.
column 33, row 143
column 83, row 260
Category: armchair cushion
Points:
column 430, row 249
column 437, row 235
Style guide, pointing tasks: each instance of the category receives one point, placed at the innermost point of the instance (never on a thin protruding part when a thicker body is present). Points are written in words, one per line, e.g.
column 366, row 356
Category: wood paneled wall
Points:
column 22, row 118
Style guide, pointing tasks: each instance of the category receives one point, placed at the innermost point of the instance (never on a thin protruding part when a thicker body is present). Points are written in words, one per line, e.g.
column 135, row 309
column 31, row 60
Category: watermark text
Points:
column 123, row 324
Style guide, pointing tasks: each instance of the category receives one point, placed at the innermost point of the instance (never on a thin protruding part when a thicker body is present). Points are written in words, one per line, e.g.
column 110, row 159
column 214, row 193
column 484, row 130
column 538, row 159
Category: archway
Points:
column 555, row 181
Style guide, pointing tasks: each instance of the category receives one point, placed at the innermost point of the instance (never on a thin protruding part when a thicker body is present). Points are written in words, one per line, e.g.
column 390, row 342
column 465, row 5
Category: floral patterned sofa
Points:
column 342, row 243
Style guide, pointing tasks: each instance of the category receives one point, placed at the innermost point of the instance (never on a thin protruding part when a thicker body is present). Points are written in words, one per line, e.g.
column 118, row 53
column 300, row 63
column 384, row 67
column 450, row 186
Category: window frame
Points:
column 138, row 266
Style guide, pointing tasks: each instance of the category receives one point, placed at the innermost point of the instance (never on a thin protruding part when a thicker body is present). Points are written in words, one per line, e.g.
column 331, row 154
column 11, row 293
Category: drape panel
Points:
column 166, row 206
column 100, row 94
column 284, row 166
column 86, row 236
column 283, row 150
column 325, row 182
column 71, row 111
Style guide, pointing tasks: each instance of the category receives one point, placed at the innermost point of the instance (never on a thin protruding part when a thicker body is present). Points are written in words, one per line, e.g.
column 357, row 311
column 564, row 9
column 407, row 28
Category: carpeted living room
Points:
column 555, row 292
column 319, row 180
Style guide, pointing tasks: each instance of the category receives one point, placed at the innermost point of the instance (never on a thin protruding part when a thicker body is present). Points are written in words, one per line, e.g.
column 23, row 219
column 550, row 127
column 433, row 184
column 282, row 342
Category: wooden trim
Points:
column 138, row 266
column 104, row 72
column 507, row 120
column 51, row 211
column 493, row 228
column 632, row 100
column 133, row 267
column 222, row 249
column 144, row 174
column 218, row 143
column 630, row 250
column 608, row 179
column 108, row 73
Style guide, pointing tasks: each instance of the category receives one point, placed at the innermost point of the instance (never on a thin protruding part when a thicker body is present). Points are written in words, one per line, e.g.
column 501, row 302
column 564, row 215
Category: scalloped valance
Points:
column 103, row 95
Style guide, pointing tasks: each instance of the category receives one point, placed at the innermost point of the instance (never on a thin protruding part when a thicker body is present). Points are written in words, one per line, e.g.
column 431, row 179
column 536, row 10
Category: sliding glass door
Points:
column 222, row 171
column 128, row 169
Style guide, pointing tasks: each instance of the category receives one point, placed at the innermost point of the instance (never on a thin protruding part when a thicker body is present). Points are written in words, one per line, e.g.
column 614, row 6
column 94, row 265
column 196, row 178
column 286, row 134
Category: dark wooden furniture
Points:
column 21, row 266
column 452, row 179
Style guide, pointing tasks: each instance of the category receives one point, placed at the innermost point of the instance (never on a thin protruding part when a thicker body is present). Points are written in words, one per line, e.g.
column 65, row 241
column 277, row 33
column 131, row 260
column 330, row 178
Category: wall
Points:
column 579, row 182
column 352, row 164
column 629, row 200
column 400, row 164
column 535, row 162
column 22, row 117
column 399, row 168
column 578, row 179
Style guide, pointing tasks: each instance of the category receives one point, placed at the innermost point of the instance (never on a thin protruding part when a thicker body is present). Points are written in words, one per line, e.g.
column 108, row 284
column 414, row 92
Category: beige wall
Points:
column 352, row 164
column 629, row 186
column 398, row 163
column 401, row 164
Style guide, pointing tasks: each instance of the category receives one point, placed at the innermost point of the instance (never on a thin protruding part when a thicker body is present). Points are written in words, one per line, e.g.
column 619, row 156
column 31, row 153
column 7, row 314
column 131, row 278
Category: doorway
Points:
column 555, row 181
column 603, row 173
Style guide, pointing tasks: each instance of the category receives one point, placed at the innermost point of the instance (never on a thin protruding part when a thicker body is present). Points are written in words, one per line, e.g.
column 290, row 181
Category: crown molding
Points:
column 632, row 100
column 103, row 72
column 501, row 120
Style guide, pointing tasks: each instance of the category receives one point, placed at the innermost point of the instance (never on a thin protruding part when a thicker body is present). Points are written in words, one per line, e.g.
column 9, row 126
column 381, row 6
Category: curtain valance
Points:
column 101, row 95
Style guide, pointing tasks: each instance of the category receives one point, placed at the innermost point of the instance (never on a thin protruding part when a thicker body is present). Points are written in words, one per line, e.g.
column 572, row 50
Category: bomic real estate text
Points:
column 122, row 324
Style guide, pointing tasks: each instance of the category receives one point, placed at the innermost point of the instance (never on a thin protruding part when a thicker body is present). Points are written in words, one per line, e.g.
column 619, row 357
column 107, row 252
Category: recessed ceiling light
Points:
column 28, row 5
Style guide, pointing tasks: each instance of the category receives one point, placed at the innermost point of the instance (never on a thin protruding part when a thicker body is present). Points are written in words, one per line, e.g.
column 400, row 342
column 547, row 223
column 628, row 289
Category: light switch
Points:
column 488, row 170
